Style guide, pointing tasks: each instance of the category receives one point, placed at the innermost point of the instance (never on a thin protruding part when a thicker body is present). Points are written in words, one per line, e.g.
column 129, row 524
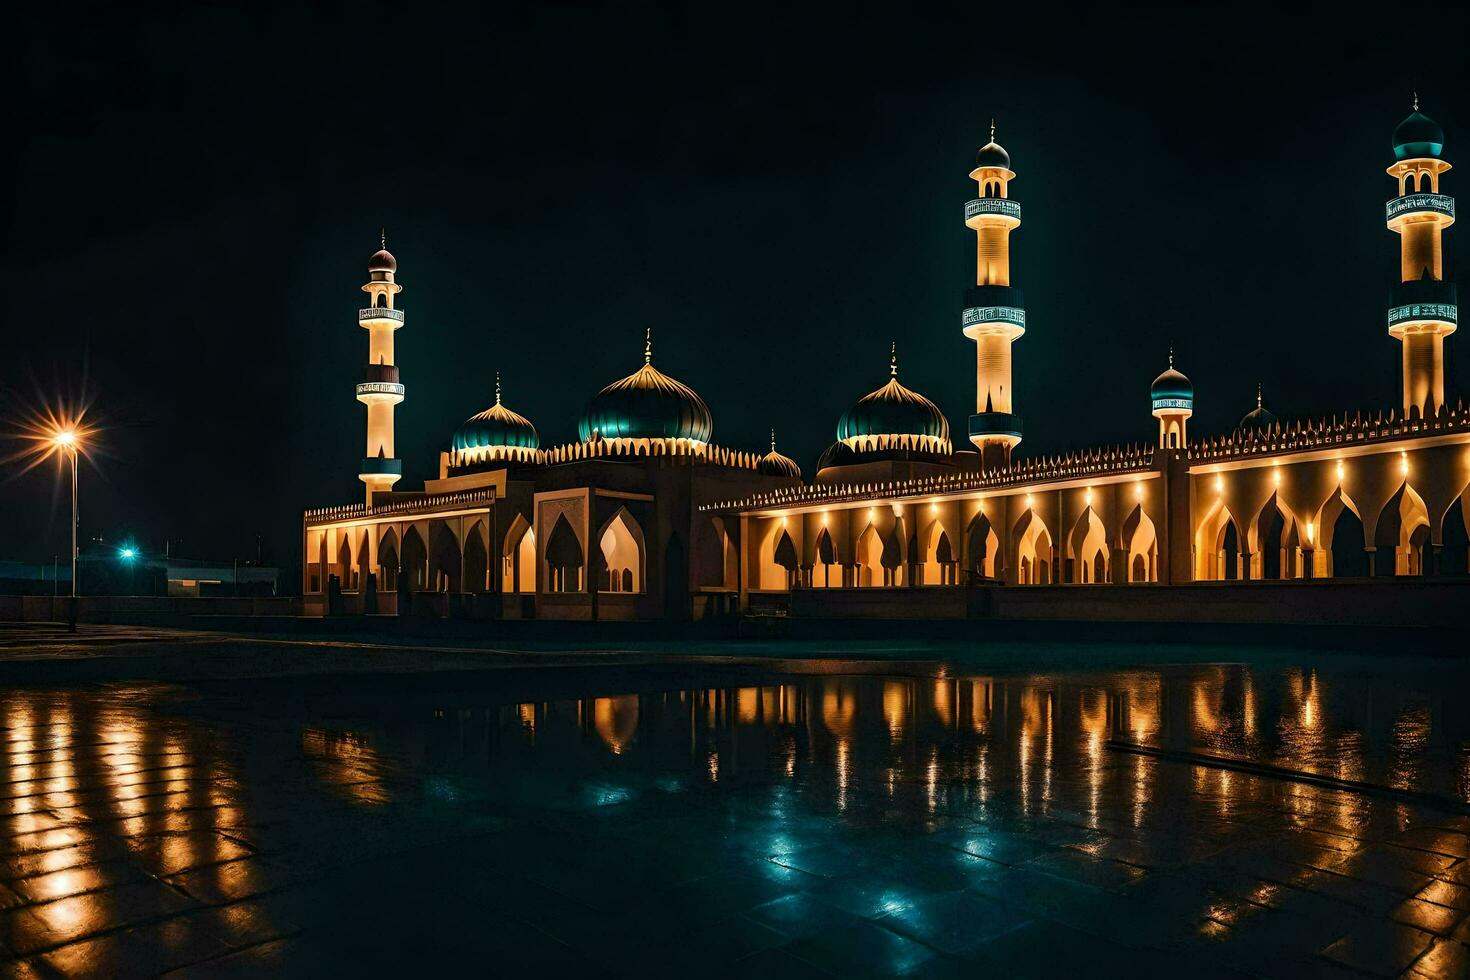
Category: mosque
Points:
column 646, row 517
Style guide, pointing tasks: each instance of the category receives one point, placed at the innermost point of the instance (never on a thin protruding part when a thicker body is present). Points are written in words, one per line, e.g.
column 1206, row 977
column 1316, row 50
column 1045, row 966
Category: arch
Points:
column 388, row 561
column 1454, row 558
column 771, row 575
column 1214, row 562
column 415, row 565
column 563, row 558
column 1409, row 179
column 1141, row 542
column 936, row 556
column 622, row 546
column 1088, row 543
column 345, row 571
column 983, row 548
column 1033, row 550
column 1399, row 547
column 518, row 557
column 869, row 557
column 476, row 560
column 1271, row 538
column 825, row 560
column 1341, row 537
column 445, row 567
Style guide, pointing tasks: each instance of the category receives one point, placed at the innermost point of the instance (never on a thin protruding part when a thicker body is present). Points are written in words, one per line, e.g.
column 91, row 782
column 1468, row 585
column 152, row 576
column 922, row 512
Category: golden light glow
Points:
column 872, row 512
column 1028, row 500
column 934, row 508
column 53, row 432
column 1276, row 475
column 1137, row 491
column 1219, row 484
column 1311, row 533
column 1339, row 470
column 1404, row 462
column 1088, row 496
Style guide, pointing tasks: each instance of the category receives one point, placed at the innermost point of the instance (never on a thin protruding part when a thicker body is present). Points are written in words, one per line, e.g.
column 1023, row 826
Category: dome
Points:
column 882, row 418
column 775, row 464
column 1417, row 136
column 1172, row 389
column 992, row 154
column 647, row 404
column 495, row 433
column 1259, row 417
column 837, row 454
column 382, row 261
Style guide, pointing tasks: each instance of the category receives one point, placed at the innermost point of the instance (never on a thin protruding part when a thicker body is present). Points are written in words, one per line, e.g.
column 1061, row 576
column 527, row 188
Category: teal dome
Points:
column 647, row 404
column 496, row 428
column 1259, row 417
column 1417, row 136
column 894, row 411
column 1172, row 390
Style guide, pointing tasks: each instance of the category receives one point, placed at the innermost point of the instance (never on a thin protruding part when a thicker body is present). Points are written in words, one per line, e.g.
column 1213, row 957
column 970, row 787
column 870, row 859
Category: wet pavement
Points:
column 792, row 820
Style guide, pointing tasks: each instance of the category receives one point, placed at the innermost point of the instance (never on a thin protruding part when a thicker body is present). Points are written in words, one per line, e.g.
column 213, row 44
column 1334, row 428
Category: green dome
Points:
column 1417, row 136
column 992, row 154
column 893, row 410
column 1259, row 417
column 1172, row 389
column 647, row 404
column 496, row 427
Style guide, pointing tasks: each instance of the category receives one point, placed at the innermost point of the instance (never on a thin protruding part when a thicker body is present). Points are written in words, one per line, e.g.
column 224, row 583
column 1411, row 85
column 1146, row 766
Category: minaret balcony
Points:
column 378, row 316
column 1422, row 303
column 380, row 384
column 1417, row 207
column 995, row 427
column 993, row 210
column 993, row 310
column 381, row 466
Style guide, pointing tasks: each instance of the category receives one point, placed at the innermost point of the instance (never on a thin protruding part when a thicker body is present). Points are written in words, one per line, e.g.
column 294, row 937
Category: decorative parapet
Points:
column 1300, row 436
column 1111, row 461
column 683, row 450
column 413, row 505
column 379, row 313
column 1420, row 204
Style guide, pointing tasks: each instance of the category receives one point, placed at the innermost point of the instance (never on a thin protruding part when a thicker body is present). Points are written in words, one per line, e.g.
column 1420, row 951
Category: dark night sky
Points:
column 777, row 194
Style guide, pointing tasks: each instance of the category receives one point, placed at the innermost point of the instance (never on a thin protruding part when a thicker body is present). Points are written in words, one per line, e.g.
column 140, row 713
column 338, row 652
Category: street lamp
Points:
column 66, row 441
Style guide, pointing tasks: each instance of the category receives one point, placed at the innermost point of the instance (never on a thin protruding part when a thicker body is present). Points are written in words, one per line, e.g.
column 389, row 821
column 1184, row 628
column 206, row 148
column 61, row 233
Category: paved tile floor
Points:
column 728, row 823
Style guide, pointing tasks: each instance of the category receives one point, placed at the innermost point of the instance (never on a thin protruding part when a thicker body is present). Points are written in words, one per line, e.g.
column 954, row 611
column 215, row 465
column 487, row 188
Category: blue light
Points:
column 127, row 554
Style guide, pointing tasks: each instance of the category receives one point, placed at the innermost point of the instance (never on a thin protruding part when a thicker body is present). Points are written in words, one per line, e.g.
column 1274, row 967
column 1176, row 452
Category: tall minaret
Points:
column 1422, row 309
column 380, row 389
column 995, row 313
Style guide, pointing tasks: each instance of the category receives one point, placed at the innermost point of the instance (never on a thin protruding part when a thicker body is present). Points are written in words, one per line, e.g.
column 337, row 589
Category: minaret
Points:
column 1422, row 308
column 1172, row 397
column 380, row 388
column 994, row 314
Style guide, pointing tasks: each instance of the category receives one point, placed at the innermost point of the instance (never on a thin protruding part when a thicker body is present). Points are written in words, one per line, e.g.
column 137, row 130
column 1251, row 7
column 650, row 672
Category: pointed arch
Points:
column 1275, row 536
column 1088, row 544
column 770, row 575
column 476, row 560
column 1217, row 545
column 869, row 558
column 1401, row 539
column 563, row 557
column 388, row 560
column 1454, row 555
column 1034, row 551
column 518, row 557
column 445, row 568
column 415, row 570
column 982, row 548
column 1141, row 544
column 1340, row 537
column 825, row 568
column 623, row 552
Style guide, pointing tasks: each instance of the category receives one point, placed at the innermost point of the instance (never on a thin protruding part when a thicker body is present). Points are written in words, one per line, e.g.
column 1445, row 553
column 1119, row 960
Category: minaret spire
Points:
column 1171, row 356
column 1258, row 394
column 383, row 236
column 1416, row 100
column 773, row 440
column 497, row 387
column 380, row 389
column 648, row 345
column 893, row 358
column 992, row 129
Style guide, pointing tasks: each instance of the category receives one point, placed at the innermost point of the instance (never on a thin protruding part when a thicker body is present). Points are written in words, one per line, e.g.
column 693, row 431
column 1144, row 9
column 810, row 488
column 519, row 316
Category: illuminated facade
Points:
column 644, row 516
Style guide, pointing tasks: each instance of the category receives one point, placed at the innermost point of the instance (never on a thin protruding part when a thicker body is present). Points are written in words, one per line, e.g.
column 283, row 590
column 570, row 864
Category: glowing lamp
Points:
column 1219, row 484
column 1276, row 475
column 1311, row 533
column 1339, row 469
column 127, row 554
column 64, row 439
column 1028, row 500
column 934, row 508
column 1088, row 496
column 1137, row 491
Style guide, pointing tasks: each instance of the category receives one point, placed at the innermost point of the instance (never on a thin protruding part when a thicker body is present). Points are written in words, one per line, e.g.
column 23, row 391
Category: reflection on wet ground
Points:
column 814, row 822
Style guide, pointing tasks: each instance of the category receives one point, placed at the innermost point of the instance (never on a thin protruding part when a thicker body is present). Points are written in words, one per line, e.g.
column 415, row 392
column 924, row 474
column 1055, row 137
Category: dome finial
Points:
column 1416, row 100
column 497, row 387
column 773, row 440
column 1171, row 355
column 648, row 345
column 893, row 358
column 1258, row 394
column 383, row 236
column 992, row 129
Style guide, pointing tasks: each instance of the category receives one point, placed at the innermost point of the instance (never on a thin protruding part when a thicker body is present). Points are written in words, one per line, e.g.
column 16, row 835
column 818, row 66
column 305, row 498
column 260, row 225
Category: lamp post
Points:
column 66, row 441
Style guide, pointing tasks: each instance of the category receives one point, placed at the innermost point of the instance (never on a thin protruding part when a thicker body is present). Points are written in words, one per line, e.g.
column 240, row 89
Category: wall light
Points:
column 934, row 508
column 1087, row 497
column 1404, row 462
column 1028, row 500
column 1339, row 471
column 1137, row 491
column 1311, row 533
column 1219, row 484
column 1276, row 475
